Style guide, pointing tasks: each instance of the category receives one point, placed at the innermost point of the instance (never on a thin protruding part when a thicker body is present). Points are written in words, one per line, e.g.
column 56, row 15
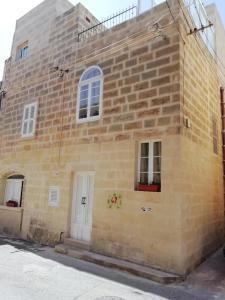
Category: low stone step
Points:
column 135, row 269
column 77, row 244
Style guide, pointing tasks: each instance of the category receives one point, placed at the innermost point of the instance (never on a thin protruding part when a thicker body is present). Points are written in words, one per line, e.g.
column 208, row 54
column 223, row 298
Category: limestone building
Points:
column 112, row 136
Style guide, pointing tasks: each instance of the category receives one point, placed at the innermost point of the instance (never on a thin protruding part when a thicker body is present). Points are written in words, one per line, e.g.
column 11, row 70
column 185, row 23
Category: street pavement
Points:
column 33, row 272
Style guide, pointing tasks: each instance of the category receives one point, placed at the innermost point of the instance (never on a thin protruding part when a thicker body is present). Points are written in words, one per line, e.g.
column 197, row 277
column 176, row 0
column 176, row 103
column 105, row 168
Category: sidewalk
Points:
column 33, row 272
column 209, row 278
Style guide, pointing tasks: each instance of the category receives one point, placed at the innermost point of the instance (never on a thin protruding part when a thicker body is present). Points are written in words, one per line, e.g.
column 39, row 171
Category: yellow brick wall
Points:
column 149, row 238
column 202, row 210
column 10, row 220
column 200, row 172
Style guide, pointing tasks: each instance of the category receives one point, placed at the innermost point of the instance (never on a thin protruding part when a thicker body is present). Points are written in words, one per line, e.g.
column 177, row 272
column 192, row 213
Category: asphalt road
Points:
column 32, row 272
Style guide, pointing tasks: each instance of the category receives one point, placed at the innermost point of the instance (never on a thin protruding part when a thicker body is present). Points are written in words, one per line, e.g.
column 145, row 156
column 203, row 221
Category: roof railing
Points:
column 116, row 19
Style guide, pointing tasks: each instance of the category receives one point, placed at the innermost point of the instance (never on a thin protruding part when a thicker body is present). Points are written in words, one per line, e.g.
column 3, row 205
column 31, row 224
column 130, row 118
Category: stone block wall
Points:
column 201, row 171
column 10, row 220
column 34, row 27
column 141, row 86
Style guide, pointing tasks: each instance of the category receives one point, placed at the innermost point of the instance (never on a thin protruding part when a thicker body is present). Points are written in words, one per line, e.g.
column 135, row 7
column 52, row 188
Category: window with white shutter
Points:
column 29, row 120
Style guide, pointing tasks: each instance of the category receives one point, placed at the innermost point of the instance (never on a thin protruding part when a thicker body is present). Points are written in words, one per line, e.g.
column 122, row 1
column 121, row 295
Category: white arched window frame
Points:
column 89, row 98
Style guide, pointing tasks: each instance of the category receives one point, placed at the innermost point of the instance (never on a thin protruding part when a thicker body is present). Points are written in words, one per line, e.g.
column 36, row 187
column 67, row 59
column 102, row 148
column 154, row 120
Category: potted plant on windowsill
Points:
column 152, row 187
column 11, row 203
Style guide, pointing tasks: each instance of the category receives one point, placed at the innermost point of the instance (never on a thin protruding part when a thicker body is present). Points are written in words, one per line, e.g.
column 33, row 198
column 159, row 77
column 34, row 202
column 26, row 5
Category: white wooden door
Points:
column 13, row 190
column 81, row 221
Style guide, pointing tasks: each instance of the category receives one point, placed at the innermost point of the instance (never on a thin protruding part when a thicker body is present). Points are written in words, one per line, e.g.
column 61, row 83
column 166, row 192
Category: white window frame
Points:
column 24, row 52
column 89, row 83
column 150, row 160
column 30, row 105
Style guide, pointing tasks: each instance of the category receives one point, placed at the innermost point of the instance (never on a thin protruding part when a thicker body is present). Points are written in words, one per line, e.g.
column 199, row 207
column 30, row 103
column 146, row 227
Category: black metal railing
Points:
column 109, row 22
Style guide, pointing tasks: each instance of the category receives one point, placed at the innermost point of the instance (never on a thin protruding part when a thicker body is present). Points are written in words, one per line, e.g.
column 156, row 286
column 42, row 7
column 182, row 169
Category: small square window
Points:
column 22, row 51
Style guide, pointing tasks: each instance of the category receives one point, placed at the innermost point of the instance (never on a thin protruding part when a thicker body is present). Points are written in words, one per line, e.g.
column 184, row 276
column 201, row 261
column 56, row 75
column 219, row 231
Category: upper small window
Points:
column 22, row 51
column 29, row 120
column 90, row 95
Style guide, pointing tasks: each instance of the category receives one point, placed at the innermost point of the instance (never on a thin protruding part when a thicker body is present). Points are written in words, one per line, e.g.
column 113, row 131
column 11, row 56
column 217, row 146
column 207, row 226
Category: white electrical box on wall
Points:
column 53, row 196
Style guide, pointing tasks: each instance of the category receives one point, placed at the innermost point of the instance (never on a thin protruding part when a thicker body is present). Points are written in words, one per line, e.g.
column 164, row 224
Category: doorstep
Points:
column 122, row 265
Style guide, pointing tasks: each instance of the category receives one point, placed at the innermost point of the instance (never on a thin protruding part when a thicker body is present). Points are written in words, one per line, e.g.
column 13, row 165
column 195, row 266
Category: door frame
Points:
column 74, row 199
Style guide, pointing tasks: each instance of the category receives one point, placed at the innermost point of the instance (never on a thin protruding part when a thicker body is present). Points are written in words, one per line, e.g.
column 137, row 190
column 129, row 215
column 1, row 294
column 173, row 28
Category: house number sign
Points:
column 83, row 200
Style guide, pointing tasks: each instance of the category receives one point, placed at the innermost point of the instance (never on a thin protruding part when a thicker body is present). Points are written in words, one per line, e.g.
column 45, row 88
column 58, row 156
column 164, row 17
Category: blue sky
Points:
column 101, row 10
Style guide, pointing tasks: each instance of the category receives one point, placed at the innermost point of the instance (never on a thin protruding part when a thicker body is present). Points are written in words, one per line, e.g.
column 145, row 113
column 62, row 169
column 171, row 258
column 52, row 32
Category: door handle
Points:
column 83, row 200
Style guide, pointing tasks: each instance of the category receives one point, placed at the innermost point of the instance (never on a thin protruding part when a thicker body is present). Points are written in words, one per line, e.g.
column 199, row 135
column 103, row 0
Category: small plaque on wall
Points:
column 53, row 196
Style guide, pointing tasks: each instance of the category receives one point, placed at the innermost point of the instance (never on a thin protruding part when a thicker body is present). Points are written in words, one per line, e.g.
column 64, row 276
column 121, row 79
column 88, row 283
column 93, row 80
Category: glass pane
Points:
column 25, row 127
column 24, row 52
column 83, row 104
column 95, row 88
column 144, row 149
column 95, row 91
column 83, row 113
column 84, row 95
column 84, row 87
column 84, row 92
column 32, row 112
column 94, row 111
column 31, row 126
column 91, row 73
column 94, row 101
column 144, row 178
column 157, row 148
column 96, row 84
column 144, row 165
column 156, row 164
column 26, row 113
column 156, row 177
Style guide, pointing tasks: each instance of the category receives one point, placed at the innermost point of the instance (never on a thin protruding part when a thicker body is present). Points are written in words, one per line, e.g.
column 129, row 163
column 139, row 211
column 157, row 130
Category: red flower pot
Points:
column 148, row 187
column 11, row 203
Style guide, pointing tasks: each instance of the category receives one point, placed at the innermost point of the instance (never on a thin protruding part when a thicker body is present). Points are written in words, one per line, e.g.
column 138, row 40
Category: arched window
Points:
column 89, row 100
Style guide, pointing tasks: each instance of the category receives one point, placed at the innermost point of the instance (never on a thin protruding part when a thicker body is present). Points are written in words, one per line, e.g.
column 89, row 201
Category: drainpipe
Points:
column 222, row 105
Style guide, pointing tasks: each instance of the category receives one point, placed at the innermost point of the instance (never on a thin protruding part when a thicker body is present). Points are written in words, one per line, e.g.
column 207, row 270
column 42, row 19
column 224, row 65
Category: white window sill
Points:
column 87, row 120
column 28, row 137
column 4, row 207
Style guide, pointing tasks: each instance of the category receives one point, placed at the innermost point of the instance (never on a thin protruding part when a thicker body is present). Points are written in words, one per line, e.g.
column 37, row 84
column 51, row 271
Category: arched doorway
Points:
column 14, row 189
